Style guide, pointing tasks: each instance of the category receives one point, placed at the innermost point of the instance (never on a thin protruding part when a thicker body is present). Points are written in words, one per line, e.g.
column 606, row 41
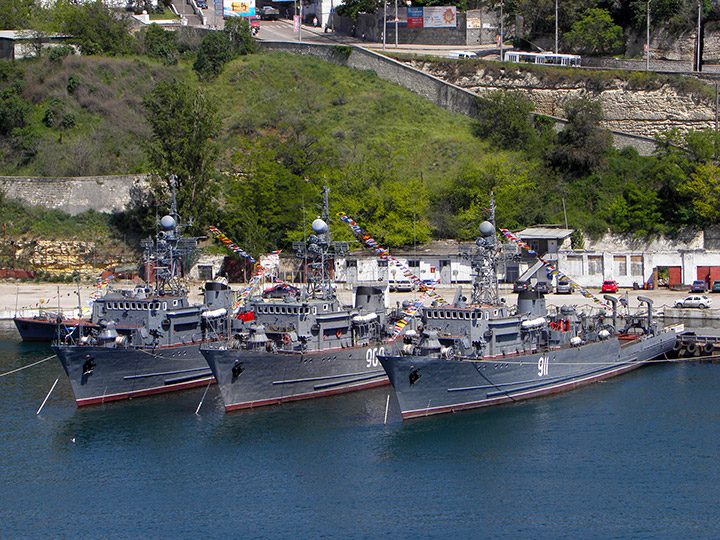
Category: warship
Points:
column 481, row 353
column 303, row 346
column 147, row 339
column 45, row 326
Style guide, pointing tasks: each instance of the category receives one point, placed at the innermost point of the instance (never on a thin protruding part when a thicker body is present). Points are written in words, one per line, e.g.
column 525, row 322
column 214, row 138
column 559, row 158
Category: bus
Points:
column 545, row 58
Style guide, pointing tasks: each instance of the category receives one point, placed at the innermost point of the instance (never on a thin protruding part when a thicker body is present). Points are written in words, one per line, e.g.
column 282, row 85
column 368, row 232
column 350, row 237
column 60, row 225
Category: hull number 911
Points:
column 372, row 354
column 543, row 366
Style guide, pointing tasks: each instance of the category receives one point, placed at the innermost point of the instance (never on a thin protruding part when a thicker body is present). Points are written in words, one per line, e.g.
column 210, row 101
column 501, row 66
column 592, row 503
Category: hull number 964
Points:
column 372, row 354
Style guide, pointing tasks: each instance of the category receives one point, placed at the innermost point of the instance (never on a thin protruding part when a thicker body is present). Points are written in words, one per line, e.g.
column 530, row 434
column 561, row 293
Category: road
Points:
column 282, row 30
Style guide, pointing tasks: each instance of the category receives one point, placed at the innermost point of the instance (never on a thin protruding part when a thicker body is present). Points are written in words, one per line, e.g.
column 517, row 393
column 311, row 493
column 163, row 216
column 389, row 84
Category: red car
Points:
column 609, row 286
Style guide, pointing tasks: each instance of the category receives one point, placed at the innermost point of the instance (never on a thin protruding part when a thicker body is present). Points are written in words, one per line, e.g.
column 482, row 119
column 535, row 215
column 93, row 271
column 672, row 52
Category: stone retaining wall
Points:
column 105, row 194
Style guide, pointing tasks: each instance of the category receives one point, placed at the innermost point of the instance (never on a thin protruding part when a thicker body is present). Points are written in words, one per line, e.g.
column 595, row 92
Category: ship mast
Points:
column 484, row 262
column 320, row 251
column 167, row 252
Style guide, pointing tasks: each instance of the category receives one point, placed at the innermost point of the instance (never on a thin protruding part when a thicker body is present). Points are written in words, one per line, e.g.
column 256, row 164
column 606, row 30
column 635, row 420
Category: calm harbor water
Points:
column 633, row 457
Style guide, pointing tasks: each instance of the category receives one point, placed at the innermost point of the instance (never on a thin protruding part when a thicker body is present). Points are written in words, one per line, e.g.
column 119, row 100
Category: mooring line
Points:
column 28, row 366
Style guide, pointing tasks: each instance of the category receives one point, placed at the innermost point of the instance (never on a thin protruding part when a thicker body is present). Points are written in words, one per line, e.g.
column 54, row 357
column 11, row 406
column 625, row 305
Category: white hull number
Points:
column 543, row 366
column 371, row 356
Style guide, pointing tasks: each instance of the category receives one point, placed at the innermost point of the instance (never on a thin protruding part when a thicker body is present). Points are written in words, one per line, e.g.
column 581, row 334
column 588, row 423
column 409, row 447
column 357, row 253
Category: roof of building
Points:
column 17, row 35
column 544, row 233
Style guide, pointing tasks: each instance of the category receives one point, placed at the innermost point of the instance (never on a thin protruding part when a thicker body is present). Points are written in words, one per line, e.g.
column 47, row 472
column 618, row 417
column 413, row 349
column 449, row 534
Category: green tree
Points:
column 351, row 8
column 160, row 43
column 703, row 189
column 184, row 125
column 16, row 14
column 595, row 33
column 214, row 52
column 238, row 30
column 95, row 28
column 583, row 143
column 14, row 111
column 504, row 119
column 636, row 211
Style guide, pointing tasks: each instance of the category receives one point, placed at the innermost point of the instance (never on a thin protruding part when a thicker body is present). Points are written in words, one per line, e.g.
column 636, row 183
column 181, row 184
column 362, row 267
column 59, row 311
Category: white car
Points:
column 462, row 54
column 694, row 300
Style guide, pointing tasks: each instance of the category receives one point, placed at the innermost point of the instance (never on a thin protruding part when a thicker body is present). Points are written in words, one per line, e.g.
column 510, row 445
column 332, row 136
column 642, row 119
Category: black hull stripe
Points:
column 330, row 377
column 566, row 379
column 162, row 373
column 351, row 381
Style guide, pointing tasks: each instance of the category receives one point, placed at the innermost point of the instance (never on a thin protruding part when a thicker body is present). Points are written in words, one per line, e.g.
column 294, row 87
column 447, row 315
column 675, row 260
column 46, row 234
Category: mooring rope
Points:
column 28, row 366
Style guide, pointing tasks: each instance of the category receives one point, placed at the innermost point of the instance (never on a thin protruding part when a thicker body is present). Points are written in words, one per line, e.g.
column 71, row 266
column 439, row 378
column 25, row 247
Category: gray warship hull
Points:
column 253, row 378
column 427, row 385
column 101, row 374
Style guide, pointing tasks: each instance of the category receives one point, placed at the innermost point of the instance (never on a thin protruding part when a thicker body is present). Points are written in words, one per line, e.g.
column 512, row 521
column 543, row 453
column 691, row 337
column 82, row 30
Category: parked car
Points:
column 698, row 286
column 564, row 287
column 715, row 286
column 609, row 286
column 520, row 286
column 543, row 287
column 403, row 285
column 281, row 290
column 269, row 13
column 694, row 300
column 462, row 54
column 202, row 4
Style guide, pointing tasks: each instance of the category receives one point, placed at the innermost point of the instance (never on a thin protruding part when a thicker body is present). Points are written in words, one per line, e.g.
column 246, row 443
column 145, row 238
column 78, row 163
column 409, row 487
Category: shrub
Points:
column 56, row 54
column 214, row 52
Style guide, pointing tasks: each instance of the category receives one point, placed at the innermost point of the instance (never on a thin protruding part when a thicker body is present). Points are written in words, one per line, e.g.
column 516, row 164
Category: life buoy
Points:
column 285, row 338
column 338, row 334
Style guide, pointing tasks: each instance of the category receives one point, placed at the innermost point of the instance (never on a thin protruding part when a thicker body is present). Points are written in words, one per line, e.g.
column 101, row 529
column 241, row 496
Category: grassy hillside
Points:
column 407, row 170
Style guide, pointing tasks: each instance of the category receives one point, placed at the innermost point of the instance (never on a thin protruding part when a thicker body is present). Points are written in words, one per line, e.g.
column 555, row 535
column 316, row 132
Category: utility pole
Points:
column 647, row 40
column 698, row 34
column 384, row 22
column 396, row 25
column 556, row 26
column 502, row 28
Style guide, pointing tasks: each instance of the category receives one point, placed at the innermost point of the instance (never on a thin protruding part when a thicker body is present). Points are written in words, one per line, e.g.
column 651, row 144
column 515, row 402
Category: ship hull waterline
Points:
column 99, row 374
column 262, row 378
column 427, row 386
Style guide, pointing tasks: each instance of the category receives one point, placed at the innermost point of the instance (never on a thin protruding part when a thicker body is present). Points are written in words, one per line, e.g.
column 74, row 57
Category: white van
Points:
column 462, row 54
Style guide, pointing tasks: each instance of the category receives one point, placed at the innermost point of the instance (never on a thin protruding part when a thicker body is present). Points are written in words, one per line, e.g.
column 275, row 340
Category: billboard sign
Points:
column 440, row 17
column 239, row 8
column 415, row 17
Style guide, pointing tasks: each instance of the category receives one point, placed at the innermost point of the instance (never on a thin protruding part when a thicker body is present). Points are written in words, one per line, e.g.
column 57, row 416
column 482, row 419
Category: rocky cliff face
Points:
column 65, row 257
column 644, row 112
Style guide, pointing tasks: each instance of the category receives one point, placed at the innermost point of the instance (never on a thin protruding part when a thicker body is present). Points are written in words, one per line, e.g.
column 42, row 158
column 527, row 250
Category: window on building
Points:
column 575, row 266
column 636, row 265
column 595, row 265
column 382, row 263
column 414, row 264
column 351, row 263
column 620, row 264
